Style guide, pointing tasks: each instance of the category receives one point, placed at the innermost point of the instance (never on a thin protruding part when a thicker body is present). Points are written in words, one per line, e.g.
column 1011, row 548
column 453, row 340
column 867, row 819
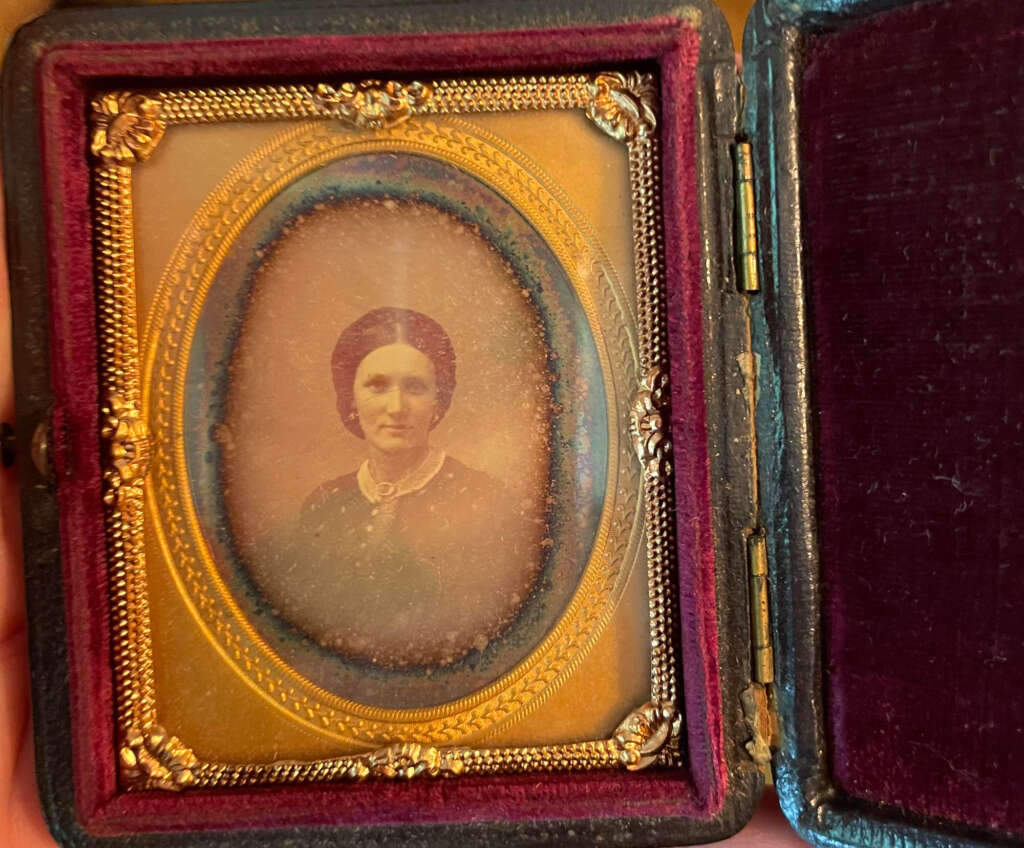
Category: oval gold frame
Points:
column 179, row 299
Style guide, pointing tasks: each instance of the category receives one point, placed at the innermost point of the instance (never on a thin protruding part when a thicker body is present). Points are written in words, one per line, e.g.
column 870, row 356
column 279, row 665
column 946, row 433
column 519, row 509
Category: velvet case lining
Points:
column 910, row 144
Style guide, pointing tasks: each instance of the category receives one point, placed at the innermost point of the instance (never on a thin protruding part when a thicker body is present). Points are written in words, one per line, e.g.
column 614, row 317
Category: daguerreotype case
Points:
column 478, row 422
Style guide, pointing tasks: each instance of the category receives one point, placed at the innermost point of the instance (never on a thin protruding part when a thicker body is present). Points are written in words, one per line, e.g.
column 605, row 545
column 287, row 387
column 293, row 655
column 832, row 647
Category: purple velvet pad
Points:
column 914, row 190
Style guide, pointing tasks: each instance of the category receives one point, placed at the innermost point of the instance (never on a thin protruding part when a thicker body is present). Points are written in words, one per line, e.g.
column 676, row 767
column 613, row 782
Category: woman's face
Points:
column 395, row 392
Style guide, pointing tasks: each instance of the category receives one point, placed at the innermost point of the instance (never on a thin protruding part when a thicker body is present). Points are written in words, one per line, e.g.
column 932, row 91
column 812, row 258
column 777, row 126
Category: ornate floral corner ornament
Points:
column 371, row 104
column 644, row 732
column 622, row 104
column 153, row 759
column 126, row 127
column 649, row 427
column 127, row 441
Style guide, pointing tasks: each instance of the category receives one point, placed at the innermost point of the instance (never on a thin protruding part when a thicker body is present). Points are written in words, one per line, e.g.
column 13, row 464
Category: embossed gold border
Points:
column 179, row 301
column 127, row 126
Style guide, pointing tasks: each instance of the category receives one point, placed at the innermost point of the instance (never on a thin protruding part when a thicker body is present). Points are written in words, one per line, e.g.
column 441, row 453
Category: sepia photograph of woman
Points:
column 412, row 558
column 398, row 439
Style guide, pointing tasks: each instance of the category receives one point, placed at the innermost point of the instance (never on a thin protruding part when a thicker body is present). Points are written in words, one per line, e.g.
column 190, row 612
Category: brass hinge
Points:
column 746, row 218
column 758, row 699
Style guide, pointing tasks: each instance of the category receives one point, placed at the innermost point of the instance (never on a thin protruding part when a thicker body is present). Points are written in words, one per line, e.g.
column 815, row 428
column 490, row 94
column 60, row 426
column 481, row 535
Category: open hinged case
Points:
column 677, row 420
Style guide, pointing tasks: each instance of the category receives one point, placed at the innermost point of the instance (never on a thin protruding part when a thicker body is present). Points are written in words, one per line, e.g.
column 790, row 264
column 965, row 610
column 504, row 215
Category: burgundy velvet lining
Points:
column 698, row 618
column 74, row 376
column 911, row 141
column 67, row 75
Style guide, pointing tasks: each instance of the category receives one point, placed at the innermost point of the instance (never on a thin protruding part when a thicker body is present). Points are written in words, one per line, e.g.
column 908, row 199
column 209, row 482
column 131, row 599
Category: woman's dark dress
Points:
column 438, row 575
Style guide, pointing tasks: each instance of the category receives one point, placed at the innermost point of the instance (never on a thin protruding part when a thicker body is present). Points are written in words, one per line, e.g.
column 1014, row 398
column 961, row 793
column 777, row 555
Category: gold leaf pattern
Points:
column 623, row 105
column 153, row 759
column 648, row 424
column 644, row 732
column 371, row 104
column 126, row 127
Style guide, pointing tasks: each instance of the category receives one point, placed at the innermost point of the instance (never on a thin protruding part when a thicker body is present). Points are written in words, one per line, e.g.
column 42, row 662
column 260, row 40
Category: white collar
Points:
column 416, row 479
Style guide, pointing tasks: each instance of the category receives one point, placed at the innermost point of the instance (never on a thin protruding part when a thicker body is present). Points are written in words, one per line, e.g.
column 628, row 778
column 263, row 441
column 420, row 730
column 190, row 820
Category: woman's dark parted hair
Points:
column 379, row 328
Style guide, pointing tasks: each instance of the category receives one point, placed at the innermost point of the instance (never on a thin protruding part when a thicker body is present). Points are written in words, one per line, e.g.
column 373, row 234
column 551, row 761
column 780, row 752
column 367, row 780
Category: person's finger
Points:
column 12, row 593
column 23, row 824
